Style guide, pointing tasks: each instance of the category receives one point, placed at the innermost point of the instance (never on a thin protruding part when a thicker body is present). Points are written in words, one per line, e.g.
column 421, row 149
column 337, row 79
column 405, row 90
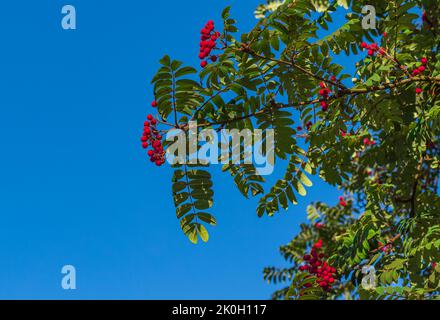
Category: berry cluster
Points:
column 151, row 137
column 324, row 92
column 342, row 202
column 369, row 142
column 208, row 41
column 316, row 266
column 372, row 48
column 319, row 225
column 420, row 70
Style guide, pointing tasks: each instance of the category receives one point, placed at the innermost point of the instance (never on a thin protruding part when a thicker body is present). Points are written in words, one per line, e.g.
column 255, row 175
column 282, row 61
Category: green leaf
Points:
column 204, row 235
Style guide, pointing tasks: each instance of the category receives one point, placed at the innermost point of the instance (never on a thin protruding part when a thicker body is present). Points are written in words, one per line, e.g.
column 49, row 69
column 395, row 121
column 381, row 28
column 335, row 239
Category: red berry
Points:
column 419, row 90
column 154, row 104
column 422, row 68
column 214, row 58
column 203, row 64
column 364, row 45
column 424, row 60
column 318, row 245
column 370, row 52
column 150, row 117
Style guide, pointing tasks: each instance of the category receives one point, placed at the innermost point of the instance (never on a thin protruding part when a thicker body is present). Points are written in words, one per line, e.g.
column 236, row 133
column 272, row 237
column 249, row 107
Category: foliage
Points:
column 271, row 77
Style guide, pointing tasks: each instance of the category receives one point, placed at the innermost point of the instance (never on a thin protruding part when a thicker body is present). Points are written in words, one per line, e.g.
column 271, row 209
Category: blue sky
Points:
column 76, row 188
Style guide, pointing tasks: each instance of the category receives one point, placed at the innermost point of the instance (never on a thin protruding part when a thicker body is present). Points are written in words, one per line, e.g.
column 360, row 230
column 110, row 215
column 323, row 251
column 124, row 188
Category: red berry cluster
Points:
column 342, row 202
column 326, row 274
column 319, row 225
column 421, row 68
column 369, row 142
column 208, row 41
column 151, row 137
column 324, row 92
column 372, row 48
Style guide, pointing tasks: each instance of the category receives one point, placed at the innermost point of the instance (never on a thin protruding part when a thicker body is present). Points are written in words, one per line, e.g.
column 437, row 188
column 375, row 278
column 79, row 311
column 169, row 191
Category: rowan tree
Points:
column 373, row 134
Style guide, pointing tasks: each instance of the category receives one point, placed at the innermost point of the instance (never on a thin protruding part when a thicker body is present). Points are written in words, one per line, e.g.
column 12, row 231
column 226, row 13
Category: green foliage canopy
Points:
column 271, row 77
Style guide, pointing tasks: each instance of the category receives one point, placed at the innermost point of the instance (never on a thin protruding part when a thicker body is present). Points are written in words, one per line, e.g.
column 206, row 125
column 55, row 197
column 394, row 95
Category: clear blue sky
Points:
column 75, row 186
